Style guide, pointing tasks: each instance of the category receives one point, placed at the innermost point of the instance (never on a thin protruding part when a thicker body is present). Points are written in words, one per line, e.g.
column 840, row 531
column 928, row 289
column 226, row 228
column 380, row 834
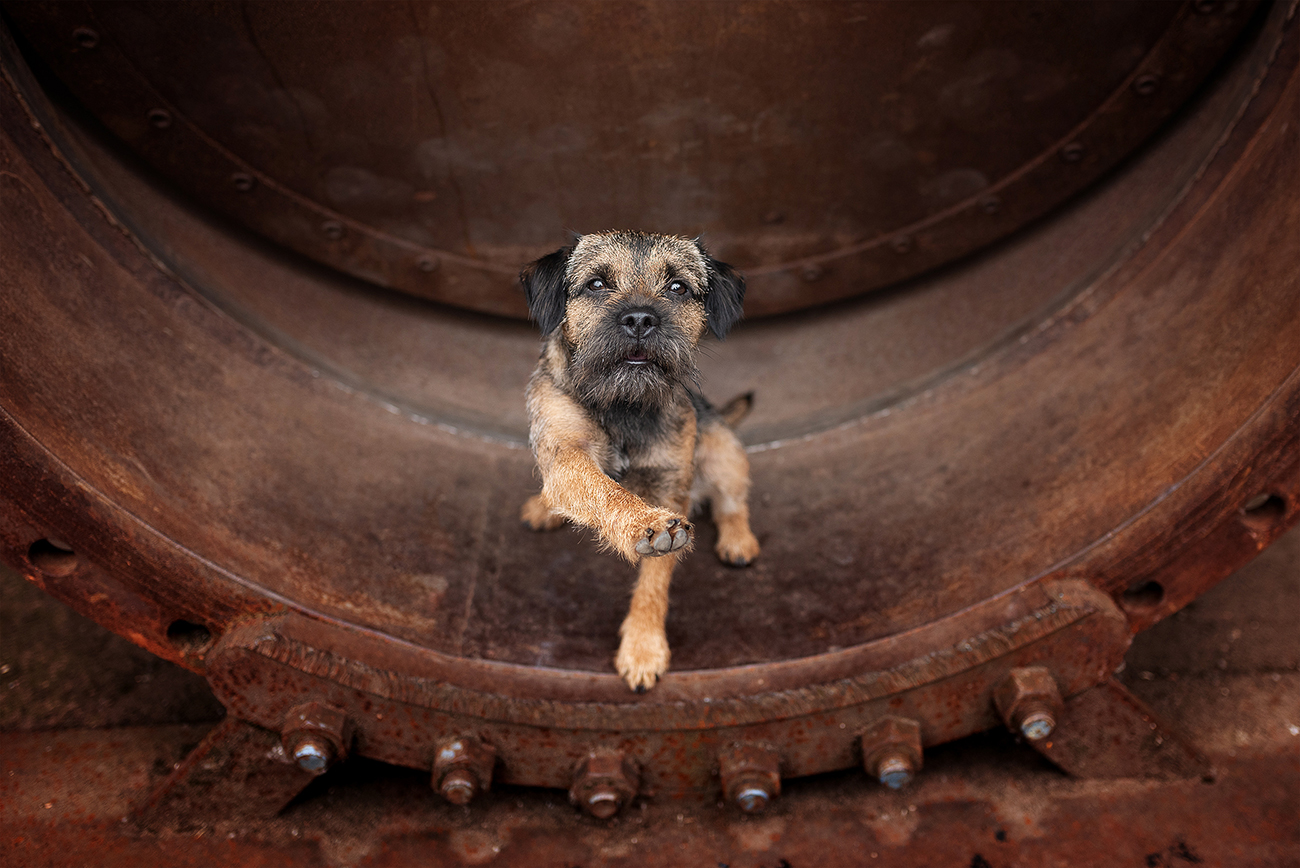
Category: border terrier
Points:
column 625, row 442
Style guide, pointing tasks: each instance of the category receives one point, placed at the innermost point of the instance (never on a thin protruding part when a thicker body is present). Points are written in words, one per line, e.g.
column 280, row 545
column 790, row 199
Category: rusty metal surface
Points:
column 827, row 149
column 1225, row 669
column 208, row 492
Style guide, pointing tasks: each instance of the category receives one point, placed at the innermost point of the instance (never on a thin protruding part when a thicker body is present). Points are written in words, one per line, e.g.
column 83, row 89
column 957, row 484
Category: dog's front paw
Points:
column 664, row 534
column 537, row 515
column 642, row 658
column 737, row 549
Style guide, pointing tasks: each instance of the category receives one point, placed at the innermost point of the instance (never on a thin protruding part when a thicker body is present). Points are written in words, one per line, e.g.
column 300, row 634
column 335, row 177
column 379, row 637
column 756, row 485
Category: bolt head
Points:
column 894, row 771
column 1037, row 725
column 604, row 781
column 459, row 787
column 603, row 803
column 753, row 798
column 313, row 754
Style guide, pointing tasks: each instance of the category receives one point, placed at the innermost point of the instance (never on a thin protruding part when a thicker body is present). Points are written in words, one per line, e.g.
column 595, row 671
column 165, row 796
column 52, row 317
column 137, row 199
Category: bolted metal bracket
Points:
column 238, row 772
column 316, row 736
column 604, row 782
column 751, row 777
column 462, row 769
column 1106, row 732
column 891, row 751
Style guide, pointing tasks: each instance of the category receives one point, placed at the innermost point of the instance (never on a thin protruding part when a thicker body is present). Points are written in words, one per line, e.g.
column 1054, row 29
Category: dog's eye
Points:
column 677, row 287
column 596, row 285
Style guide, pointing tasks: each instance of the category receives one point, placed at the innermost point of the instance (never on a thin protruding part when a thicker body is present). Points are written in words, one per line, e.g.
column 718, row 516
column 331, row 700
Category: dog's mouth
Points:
column 636, row 357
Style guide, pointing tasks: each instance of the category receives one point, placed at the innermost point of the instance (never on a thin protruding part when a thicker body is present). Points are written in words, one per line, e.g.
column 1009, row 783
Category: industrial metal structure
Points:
column 1024, row 335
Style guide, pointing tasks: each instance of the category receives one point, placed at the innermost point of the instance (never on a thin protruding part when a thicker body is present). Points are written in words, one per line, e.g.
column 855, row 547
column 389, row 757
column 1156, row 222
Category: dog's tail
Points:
column 734, row 411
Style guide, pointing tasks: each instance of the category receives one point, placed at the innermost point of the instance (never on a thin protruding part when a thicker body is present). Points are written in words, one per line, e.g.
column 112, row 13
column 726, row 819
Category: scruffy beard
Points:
column 603, row 376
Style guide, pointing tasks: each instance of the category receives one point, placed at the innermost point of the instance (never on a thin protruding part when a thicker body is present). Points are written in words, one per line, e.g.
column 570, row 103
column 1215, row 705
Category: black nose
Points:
column 639, row 323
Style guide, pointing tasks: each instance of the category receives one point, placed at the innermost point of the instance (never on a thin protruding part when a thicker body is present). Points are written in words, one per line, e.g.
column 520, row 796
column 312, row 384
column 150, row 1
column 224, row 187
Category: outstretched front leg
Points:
column 576, row 488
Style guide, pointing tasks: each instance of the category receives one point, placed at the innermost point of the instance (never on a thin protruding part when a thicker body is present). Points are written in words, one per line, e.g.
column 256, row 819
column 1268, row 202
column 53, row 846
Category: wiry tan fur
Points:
column 625, row 447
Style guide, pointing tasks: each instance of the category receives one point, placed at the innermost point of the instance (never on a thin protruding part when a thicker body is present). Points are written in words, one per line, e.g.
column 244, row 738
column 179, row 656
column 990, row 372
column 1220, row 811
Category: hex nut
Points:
column 604, row 782
column 892, row 751
column 751, row 777
column 316, row 736
column 1029, row 702
column 462, row 769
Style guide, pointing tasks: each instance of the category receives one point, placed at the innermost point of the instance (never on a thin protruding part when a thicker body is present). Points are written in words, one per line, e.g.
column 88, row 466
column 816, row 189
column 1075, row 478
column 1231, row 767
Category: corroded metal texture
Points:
column 827, row 149
column 307, row 489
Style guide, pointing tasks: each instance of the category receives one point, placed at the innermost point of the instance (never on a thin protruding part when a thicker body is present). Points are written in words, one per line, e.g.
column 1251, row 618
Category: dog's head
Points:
column 630, row 309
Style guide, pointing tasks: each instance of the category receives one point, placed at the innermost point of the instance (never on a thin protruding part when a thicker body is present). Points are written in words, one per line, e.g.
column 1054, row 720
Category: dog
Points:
column 625, row 443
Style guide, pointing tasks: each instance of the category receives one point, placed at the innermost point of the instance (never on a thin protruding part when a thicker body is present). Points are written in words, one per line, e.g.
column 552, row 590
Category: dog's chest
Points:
column 639, row 437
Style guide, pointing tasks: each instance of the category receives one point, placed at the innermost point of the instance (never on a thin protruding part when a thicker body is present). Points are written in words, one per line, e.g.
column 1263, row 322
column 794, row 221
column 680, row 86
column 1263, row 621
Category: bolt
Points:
column 901, row 243
column 463, row 768
column 85, row 37
column 751, row 777
column 1205, row 7
column 894, row 770
column 812, row 272
column 333, row 229
column 313, row 754
column 892, row 751
column 1035, row 720
column 990, row 204
column 604, row 782
column 773, row 217
column 459, row 787
column 1072, row 153
column 1029, row 702
column 426, row 264
column 160, row 118
column 243, row 182
column 1145, row 85
column 316, row 736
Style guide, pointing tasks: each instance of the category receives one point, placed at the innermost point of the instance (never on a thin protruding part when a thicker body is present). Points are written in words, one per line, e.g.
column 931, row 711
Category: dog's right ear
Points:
column 544, row 288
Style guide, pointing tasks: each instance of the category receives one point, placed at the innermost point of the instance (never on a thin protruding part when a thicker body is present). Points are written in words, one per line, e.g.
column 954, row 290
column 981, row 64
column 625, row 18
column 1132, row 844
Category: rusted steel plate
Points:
column 174, row 472
column 827, row 149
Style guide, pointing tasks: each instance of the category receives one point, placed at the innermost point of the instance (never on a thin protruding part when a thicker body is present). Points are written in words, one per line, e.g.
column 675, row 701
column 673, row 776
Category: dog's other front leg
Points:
column 643, row 651
column 723, row 475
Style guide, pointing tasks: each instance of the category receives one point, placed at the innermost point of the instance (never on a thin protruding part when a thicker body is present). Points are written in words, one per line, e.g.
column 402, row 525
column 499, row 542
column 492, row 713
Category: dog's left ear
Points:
column 544, row 288
column 725, row 300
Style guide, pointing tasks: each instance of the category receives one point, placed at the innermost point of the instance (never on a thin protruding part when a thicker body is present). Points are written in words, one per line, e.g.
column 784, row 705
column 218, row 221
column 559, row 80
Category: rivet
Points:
column 160, row 118
column 427, row 264
column 333, row 229
column 901, row 243
column 773, row 217
column 1145, row 85
column 1205, row 7
column 812, row 272
column 1072, row 153
column 990, row 204
column 243, row 182
column 85, row 37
